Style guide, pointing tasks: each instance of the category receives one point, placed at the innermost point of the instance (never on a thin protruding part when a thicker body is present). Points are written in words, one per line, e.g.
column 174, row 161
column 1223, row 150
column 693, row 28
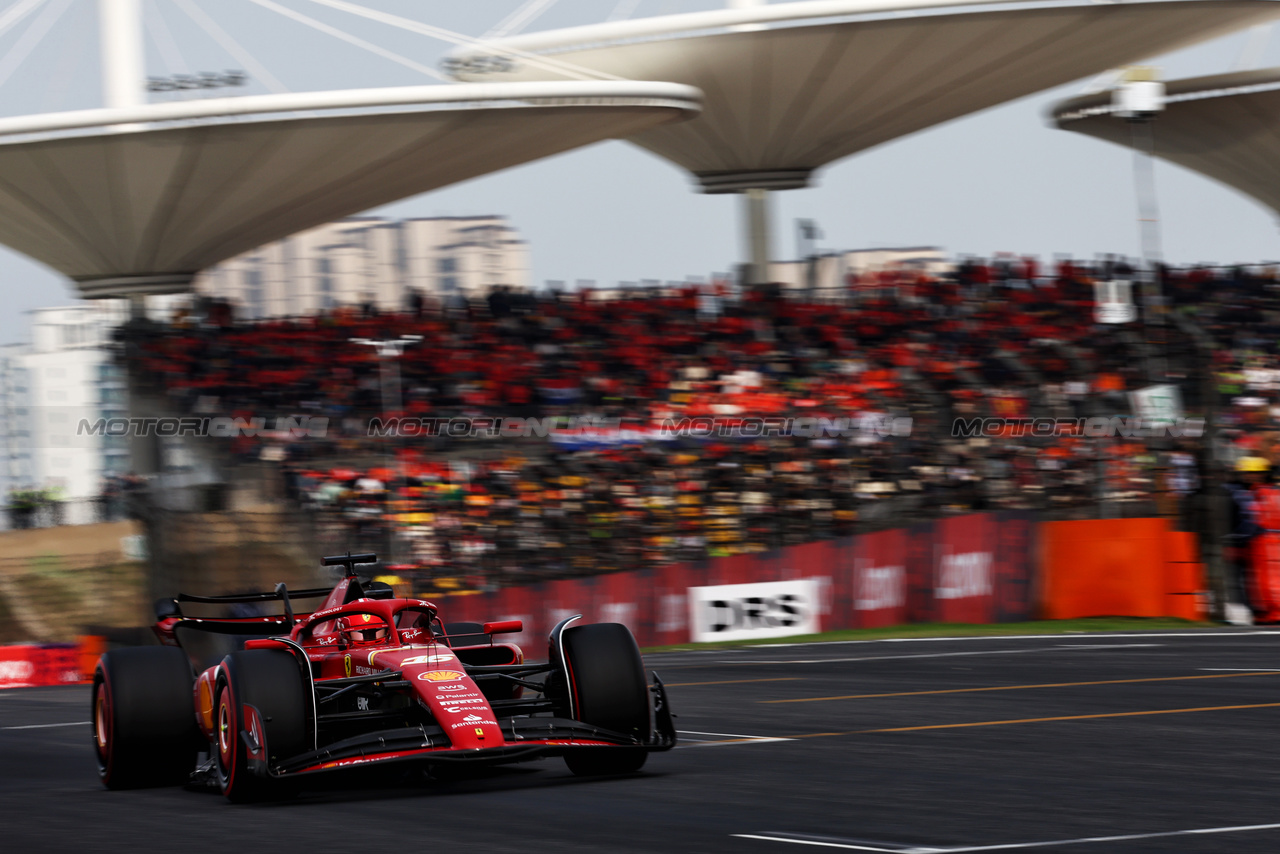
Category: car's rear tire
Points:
column 270, row 681
column 607, row 688
column 143, row 717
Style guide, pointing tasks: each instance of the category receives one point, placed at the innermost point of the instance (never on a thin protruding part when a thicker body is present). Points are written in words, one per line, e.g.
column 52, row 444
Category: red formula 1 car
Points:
column 366, row 680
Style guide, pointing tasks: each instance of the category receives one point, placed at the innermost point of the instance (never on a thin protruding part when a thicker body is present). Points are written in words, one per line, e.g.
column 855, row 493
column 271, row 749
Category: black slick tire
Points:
column 143, row 717
column 271, row 682
column 607, row 688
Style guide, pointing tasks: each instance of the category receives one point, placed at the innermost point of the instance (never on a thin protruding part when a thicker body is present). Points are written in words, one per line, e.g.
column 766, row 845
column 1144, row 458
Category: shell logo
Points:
column 440, row 676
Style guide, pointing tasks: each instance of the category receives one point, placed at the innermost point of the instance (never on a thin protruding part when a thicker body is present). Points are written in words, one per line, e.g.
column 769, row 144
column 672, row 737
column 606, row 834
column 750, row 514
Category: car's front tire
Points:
column 143, row 717
column 604, row 676
column 271, row 682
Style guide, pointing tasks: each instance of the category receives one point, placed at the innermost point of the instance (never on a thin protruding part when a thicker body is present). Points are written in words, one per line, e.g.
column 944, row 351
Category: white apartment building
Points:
column 15, row 427
column 67, row 376
column 833, row 269
column 369, row 260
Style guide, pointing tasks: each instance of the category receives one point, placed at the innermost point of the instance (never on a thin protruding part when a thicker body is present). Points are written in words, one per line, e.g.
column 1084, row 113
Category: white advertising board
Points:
column 771, row 609
column 1157, row 404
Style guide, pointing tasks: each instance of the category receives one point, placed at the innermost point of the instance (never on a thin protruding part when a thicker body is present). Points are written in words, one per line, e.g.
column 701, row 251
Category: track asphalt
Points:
column 1138, row 742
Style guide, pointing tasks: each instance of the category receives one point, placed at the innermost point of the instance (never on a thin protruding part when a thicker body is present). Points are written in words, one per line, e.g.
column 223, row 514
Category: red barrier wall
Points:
column 31, row 665
column 976, row 568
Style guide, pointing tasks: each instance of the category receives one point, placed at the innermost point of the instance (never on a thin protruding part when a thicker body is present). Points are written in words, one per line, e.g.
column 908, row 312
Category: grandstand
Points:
column 985, row 339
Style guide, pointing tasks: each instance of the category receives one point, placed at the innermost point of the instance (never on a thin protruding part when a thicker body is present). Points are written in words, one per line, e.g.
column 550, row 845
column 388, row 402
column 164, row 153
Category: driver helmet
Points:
column 363, row 628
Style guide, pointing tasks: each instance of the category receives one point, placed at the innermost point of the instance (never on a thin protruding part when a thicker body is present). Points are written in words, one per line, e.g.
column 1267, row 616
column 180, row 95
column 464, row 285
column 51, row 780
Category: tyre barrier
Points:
column 40, row 665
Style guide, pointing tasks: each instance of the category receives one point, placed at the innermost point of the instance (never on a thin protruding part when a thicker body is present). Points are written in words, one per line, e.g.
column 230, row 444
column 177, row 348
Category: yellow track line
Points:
column 1042, row 720
column 1021, row 687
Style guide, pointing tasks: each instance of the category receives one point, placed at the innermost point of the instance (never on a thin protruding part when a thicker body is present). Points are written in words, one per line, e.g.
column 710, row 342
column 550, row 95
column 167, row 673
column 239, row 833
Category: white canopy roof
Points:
column 1226, row 126
column 791, row 87
column 140, row 208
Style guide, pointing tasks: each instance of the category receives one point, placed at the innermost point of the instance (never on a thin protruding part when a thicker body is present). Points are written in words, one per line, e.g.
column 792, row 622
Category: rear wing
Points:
column 349, row 560
column 173, row 607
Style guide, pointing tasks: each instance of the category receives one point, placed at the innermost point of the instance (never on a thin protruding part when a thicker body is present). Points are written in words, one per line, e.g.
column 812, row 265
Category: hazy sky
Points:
column 1000, row 180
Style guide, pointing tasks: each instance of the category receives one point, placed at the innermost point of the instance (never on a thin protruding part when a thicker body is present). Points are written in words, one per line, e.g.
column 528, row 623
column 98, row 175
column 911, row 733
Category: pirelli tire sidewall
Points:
column 271, row 682
column 143, row 717
column 606, row 684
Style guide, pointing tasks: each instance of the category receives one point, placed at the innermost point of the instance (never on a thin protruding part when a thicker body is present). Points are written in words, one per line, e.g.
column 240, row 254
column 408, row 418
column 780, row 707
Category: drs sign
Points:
column 771, row 609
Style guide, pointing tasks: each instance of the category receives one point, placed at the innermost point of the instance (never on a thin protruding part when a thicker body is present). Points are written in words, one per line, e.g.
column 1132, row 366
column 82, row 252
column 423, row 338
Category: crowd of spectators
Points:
column 1001, row 338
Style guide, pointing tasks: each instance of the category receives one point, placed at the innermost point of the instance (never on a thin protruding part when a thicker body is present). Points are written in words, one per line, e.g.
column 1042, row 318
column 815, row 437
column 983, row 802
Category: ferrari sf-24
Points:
column 255, row 705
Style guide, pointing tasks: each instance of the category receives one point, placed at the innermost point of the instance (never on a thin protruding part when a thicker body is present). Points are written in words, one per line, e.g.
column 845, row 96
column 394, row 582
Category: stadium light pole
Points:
column 388, row 350
column 808, row 235
column 1138, row 100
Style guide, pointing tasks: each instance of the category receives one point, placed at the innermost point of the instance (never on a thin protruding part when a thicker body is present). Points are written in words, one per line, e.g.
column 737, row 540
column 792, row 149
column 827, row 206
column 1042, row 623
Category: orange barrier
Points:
column 1184, row 578
column 1119, row 568
column 91, row 649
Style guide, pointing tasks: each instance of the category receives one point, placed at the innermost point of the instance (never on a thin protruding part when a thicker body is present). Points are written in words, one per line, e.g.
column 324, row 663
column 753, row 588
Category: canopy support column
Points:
column 758, row 235
column 124, row 71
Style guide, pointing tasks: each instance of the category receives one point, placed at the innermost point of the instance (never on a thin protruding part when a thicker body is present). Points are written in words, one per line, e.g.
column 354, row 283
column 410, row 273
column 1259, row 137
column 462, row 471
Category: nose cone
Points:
column 453, row 698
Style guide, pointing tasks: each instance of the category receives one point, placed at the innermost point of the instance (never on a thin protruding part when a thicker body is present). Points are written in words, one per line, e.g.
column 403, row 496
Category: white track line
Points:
column 1012, row 846
column 47, row 726
column 735, row 741
column 1245, row 669
column 694, row 655
column 737, row 738
column 849, row 846
column 1206, row 633
column 933, row 654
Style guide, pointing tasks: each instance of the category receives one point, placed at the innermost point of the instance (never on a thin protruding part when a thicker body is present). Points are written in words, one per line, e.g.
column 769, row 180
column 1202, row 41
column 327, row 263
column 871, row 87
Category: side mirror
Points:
column 503, row 627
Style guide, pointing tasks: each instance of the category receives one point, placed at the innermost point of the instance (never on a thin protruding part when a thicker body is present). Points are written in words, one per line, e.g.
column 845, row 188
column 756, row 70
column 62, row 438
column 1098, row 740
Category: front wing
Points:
column 525, row 738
